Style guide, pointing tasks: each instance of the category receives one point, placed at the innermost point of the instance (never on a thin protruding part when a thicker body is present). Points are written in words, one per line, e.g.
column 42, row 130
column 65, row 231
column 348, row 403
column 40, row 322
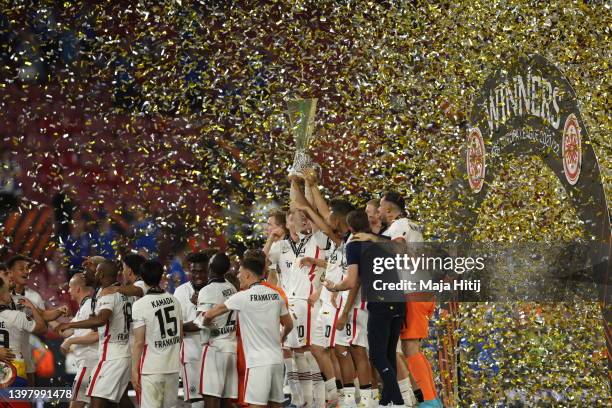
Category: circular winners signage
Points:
column 571, row 149
column 475, row 159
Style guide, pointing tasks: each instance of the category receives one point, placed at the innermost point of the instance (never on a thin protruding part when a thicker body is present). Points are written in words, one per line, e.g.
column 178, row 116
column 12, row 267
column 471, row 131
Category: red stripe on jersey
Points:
column 313, row 267
column 78, row 385
column 333, row 330
column 308, row 315
column 202, row 369
column 363, row 305
column 99, row 367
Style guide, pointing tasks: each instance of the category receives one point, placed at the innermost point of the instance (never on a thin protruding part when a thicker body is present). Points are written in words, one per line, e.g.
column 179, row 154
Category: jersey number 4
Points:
column 166, row 319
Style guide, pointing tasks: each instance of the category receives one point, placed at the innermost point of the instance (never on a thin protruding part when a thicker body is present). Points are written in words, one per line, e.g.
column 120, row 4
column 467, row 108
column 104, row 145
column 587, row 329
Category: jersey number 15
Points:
column 165, row 320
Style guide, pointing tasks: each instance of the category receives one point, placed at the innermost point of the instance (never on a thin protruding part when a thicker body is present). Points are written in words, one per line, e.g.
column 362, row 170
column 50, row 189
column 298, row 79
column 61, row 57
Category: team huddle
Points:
column 295, row 315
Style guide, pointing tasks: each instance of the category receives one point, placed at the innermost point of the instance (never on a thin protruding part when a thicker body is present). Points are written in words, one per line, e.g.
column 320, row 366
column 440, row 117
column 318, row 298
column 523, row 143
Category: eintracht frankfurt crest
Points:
column 572, row 149
column 475, row 159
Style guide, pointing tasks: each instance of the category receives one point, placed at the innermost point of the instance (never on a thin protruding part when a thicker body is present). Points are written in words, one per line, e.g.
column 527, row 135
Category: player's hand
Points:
column 312, row 299
column 63, row 310
column 136, row 382
column 331, row 286
column 366, row 236
column 6, row 355
column 27, row 303
column 109, row 291
column 277, row 234
column 62, row 327
column 307, row 261
column 310, row 176
column 65, row 346
column 334, row 297
column 294, row 176
column 342, row 319
column 207, row 320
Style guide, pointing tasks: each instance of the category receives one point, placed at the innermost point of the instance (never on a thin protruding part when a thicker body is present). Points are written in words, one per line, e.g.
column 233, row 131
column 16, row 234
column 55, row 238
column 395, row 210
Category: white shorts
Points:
column 81, row 383
column 159, row 390
column 355, row 332
column 325, row 326
column 190, row 374
column 218, row 373
column 303, row 316
column 264, row 384
column 110, row 379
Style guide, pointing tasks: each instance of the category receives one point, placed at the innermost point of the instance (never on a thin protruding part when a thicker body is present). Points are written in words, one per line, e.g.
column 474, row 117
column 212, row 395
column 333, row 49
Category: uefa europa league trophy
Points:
column 301, row 117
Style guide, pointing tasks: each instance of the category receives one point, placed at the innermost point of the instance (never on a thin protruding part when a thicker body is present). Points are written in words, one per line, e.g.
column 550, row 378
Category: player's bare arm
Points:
column 89, row 338
column 272, row 238
column 310, row 177
column 314, row 296
column 351, row 280
column 137, row 347
column 40, row 326
column 309, row 261
column 287, row 323
column 294, row 191
column 54, row 314
column 272, row 277
column 127, row 290
column 190, row 327
column 350, row 301
column 97, row 320
column 218, row 310
column 301, row 204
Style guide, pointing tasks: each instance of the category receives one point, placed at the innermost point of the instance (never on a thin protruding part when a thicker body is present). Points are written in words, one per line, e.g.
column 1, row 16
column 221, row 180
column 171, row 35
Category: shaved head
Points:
column 78, row 288
column 78, row 280
column 107, row 271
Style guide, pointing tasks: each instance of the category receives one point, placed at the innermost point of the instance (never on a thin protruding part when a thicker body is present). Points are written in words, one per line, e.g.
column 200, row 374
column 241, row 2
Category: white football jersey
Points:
column 34, row 297
column 160, row 313
column 15, row 326
column 281, row 258
column 140, row 284
column 192, row 341
column 84, row 353
column 115, row 335
column 223, row 328
column 296, row 280
column 336, row 268
column 259, row 310
column 406, row 229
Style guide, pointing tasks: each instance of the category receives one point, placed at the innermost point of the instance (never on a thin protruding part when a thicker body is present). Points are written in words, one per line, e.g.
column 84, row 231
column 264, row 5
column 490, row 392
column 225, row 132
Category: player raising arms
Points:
column 218, row 370
column 158, row 332
column 82, row 342
column 326, row 335
column 418, row 309
column 282, row 238
column 112, row 315
column 261, row 310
